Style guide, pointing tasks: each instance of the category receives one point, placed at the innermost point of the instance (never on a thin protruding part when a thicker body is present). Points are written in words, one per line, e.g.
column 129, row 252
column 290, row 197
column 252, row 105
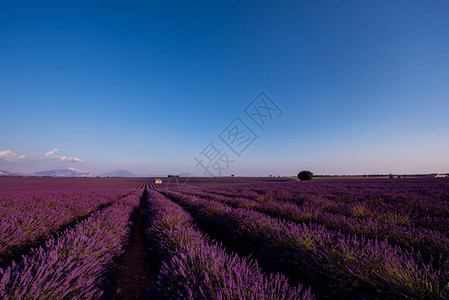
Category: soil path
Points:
column 134, row 274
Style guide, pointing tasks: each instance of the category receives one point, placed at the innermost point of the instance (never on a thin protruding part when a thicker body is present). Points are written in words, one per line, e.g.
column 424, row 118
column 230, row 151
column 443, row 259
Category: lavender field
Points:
column 229, row 238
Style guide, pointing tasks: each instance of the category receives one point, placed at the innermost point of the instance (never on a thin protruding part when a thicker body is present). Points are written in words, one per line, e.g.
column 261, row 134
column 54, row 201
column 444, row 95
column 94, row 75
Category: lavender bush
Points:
column 332, row 262
column 196, row 268
column 72, row 265
column 29, row 216
column 431, row 243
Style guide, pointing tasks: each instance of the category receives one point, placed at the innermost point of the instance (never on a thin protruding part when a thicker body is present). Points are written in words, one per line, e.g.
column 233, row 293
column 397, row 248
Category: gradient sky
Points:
column 363, row 85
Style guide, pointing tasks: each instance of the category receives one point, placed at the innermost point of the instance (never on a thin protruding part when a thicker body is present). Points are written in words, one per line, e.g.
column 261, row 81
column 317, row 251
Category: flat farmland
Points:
column 224, row 238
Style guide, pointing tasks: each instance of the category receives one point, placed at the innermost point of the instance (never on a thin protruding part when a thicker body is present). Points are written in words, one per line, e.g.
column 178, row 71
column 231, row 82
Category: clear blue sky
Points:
column 363, row 85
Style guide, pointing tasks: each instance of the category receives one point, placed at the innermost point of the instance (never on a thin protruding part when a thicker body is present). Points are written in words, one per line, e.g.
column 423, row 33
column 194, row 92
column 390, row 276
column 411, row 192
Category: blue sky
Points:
column 146, row 86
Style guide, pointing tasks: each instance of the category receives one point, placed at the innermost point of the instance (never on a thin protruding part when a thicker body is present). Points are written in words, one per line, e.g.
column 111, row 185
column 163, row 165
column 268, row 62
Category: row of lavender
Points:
column 27, row 217
column 420, row 206
column 195, row 267
column 73, row 264
column 420, row 202
column 332, row 263
column 431, row 243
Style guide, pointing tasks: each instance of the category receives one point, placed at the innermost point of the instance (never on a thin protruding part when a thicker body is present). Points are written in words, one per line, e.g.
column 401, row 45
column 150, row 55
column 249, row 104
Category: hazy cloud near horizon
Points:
column 10, row 156
column 49, row 155
column 51, row 152
column 66, row 158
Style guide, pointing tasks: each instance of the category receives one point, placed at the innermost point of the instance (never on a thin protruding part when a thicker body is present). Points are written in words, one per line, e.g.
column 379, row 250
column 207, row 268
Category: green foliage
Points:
column 305, row 175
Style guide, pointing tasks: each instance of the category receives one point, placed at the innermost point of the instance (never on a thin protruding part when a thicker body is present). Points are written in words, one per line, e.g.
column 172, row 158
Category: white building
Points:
column 440, row 175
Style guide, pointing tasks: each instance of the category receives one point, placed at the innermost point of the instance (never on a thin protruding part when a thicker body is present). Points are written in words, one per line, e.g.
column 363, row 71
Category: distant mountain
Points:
column 120, row 173
column 63, row 173
column 6, row 173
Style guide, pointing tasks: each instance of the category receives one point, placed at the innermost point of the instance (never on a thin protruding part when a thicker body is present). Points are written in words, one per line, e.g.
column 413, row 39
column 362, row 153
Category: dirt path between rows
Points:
column 134, row 274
